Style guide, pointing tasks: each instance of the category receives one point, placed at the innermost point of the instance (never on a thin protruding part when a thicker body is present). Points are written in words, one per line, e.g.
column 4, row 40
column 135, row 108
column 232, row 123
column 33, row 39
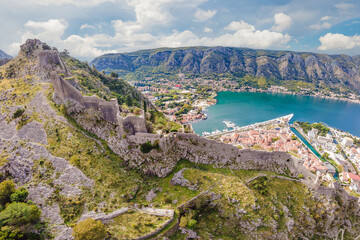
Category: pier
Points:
column 283, row 119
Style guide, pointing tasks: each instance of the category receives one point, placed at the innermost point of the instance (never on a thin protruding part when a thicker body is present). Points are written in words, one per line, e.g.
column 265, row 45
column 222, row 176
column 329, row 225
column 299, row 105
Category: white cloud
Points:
column 80, row 3
column 50, row 30
column 157, row 12
column 337, row 41
column 88, row 26
column 202, row 15
column 325, row 18
column 282, row 22
column 320, row 26
column 150, row 11
column 208, row 30
column 344, row 6
column 237, row 26
column 134, row 35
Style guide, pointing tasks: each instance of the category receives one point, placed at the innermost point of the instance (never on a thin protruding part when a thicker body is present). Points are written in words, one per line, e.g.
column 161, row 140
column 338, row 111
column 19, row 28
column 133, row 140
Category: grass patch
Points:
column 134, row 224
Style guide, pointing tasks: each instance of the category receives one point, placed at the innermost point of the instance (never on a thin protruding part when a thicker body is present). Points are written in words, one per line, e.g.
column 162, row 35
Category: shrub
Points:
column 275, row 139
column 261, row 184
column 9, row 233
column 192, row 223
column 147, row 147
column 301, row 175
column 18, row 113
column 7, row 188
column 19, row 214
column 89, row 229
column 19, row 195
column 183, row 222
column 114, row 75
column 63, row 109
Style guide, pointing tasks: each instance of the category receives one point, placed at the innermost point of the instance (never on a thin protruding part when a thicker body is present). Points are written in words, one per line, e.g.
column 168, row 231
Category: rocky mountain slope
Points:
column 94, row 170
column 331, row 70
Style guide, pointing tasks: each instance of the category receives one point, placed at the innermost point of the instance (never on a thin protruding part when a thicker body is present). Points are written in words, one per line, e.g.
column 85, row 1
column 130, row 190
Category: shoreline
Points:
column 285, row 93
column 299, row 94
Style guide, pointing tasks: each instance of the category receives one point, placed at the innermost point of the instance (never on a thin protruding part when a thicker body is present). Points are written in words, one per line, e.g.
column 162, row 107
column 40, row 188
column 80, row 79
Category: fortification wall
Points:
column 140, row 138
column 177, row 146
column 49, row 61
column 134, row 124
column 201, row 150
column 64, row 90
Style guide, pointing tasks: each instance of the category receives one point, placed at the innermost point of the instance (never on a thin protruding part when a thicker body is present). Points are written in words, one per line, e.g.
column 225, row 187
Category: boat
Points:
column 229, row 124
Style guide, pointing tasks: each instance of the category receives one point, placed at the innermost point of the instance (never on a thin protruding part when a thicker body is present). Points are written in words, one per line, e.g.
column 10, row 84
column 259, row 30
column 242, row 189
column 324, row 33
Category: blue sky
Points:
column 88, row 28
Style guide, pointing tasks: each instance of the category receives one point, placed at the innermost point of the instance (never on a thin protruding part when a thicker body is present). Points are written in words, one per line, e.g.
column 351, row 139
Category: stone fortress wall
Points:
column 173, row 147
column 64, row 90
column 111, row 111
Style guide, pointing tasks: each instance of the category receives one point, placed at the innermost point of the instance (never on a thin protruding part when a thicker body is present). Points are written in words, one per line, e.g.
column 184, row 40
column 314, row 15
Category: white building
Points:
column 348, row 142
column 325, row 140
column 313, row 133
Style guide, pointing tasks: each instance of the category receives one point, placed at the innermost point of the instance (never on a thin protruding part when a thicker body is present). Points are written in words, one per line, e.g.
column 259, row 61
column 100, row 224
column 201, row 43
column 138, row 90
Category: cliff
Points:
column 81, row 157
column 331, row 70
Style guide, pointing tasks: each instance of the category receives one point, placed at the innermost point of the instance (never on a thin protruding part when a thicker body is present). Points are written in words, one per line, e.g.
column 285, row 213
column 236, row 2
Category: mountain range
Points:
column 4, row 58
column 4, row 55
column 331, row 70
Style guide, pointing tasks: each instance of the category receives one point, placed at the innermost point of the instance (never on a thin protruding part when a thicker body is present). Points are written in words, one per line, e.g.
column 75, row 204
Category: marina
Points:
column 284, row 119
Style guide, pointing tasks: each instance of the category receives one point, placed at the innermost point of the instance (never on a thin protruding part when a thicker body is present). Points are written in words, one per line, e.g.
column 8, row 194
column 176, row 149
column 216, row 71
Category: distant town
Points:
column 331, row 154
column 183, row 100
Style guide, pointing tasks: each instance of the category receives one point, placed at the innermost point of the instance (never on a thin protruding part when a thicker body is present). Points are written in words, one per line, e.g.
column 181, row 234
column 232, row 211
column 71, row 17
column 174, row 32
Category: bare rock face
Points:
column 33, row 132
column 282, row 65
column 40, row 193
column 179, row 179
column 151, row 195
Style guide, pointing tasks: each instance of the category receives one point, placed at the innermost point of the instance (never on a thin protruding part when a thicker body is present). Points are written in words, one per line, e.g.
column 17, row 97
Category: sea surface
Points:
column 245, row 108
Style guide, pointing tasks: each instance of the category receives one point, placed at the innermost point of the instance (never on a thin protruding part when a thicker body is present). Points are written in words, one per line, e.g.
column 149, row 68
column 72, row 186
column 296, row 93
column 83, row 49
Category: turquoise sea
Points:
column 245, row 108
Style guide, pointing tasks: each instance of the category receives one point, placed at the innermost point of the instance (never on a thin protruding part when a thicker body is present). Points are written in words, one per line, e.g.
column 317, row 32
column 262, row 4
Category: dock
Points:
column 284, row 119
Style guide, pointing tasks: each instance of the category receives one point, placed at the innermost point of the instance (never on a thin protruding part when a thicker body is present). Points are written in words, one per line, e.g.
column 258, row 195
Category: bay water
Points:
column 244, row 108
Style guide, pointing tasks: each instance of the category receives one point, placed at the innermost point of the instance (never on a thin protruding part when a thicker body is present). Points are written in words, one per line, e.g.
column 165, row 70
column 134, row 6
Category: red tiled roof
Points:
column 354, row 177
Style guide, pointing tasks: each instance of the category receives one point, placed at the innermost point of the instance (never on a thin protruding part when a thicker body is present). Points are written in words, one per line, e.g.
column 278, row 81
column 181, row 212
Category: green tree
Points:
column 19, row 214
column 128, row 100
column 114, row 75
column 89, row 229
column 18, row 113
column 7, row 188
column 145, row 106
column 19, row 195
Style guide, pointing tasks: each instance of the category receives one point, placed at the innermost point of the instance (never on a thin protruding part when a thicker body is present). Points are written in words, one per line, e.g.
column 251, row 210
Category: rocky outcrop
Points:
column 282, row 65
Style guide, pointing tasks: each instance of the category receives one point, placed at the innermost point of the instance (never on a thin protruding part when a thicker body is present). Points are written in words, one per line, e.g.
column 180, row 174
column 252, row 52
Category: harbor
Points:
column 233, row 128
column 275, row 135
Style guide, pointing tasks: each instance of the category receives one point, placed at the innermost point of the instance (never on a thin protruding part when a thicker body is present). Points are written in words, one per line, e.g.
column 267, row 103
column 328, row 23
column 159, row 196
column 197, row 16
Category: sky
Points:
column 89, row 28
